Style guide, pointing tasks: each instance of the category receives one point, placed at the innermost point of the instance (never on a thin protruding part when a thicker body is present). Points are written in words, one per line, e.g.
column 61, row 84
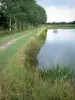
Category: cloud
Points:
column 59, row 10
column 59, row 14
column 70, row 3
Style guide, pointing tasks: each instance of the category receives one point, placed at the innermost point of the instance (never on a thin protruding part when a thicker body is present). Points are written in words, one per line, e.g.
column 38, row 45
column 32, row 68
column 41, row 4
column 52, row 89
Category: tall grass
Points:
column 27, row 83
column 21, row 84
column 58, row 73
column 31, row 51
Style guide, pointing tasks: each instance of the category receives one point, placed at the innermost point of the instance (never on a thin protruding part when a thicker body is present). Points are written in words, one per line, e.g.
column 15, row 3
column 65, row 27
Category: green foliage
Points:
column 23, row 12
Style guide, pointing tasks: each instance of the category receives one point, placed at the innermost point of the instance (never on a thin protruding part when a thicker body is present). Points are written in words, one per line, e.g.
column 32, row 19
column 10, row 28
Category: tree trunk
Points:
column 10, row 24
column 20, row 25
column 15, row 24
column 23, row 25
column 28, row 26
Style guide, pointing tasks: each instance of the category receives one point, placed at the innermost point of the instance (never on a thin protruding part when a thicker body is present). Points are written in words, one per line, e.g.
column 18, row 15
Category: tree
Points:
column 21, row 12
column 3, row 21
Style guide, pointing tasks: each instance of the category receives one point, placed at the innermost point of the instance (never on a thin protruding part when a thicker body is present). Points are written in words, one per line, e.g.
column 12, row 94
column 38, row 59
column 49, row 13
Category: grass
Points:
column 58, row 73
column 13, row 35
column 24, row 81
column 31, row 52
column 19, row 83
column 6, row 54
column 59, row 26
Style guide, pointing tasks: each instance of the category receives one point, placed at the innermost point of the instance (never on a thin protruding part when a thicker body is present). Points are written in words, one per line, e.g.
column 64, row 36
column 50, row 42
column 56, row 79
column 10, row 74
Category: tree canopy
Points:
column 23, row 12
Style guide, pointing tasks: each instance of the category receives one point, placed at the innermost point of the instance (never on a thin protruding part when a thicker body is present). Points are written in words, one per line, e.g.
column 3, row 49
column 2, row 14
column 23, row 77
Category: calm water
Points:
column 59, row 48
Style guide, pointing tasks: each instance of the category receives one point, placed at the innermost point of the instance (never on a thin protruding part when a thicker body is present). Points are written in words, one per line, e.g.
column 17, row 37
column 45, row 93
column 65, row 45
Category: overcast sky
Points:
column 59, row 10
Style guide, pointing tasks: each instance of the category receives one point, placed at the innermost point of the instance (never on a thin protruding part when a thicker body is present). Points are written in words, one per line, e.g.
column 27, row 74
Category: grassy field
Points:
column 20, row 79
column 59, row 26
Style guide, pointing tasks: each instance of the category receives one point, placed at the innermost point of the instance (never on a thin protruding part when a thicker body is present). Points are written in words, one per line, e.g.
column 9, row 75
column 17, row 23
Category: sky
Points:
column 59, row 10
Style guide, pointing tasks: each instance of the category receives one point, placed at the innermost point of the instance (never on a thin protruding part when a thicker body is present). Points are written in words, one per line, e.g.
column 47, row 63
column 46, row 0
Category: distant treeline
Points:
column 62, row 22
column 18, row 14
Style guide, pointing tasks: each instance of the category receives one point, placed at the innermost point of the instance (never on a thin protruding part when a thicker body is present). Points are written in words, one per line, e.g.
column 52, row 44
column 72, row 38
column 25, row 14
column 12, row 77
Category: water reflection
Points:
column 58, row 48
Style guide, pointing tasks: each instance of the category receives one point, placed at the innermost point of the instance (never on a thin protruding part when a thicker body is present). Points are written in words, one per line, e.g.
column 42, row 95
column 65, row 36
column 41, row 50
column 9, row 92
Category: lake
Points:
column 59, row 48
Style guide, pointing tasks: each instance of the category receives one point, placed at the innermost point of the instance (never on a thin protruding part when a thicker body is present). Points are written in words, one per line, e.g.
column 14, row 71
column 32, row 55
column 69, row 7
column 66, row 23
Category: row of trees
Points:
column 73, row 22
column 21, row 13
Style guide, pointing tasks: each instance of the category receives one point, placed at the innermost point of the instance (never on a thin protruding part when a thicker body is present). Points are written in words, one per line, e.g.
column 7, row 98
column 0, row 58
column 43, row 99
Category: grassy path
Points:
column 7, row 54
column 14, row 39
column 11, row 36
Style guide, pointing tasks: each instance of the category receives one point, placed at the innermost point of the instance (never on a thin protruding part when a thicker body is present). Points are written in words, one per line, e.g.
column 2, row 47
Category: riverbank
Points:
column 22, row 80
column 61, row 26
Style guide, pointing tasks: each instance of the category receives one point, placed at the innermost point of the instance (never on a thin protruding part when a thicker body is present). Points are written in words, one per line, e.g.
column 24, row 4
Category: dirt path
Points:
column 12, row 41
